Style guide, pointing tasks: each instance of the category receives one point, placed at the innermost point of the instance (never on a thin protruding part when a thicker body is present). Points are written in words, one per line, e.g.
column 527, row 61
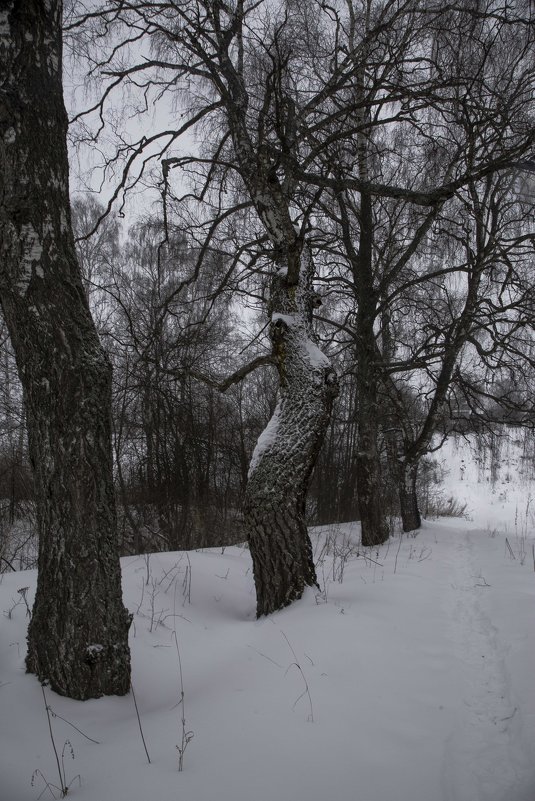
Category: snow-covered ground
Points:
column 408, row 678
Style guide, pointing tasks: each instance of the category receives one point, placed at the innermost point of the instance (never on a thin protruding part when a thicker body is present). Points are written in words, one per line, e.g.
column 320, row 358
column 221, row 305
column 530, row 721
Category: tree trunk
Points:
column 285, row 454
column 78, row 634
column 408, row 500
column 404, row 474
column 374, row 526
column 373, row 522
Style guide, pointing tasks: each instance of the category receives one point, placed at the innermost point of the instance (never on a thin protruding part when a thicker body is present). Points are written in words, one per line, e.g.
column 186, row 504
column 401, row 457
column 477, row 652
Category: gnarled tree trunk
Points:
column 78, row 634
column 282, row 462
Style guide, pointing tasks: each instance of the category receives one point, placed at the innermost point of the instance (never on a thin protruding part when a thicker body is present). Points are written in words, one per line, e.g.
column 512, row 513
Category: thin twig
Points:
column 139, row 722
column 61, row 778
column 397, row 554
column 509, row 549
column 306, row 691
column 55, row 715
column 3, row 558
column 186, row 735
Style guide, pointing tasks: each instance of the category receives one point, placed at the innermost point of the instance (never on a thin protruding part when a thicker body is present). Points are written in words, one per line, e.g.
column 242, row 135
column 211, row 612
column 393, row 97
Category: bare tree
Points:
column 78, row 633
column 234, row 62
column 441, row 100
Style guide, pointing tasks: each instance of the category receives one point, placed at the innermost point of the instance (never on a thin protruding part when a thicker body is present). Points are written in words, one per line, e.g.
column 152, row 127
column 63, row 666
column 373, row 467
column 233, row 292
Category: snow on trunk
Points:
column 287, row 450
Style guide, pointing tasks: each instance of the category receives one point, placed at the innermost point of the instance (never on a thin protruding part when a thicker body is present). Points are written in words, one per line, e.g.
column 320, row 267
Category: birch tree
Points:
column 78, row 633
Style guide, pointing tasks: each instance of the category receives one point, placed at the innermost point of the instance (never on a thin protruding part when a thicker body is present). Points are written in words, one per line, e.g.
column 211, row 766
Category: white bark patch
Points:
column 52, row 57
column 9, row 136
column 48, row 227
column 265, row 440
column 64, row 342
column 57, row 183
column 32, row 250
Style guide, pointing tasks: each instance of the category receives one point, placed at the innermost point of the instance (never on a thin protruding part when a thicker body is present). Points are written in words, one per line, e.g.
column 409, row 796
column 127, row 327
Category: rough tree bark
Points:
column 287, row 450
column 78, row 634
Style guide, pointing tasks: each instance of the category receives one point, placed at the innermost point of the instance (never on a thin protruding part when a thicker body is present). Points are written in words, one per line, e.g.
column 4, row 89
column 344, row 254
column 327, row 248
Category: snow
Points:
column 288, row 319
column 266, row 438
column 408, row 677
column 316, row 357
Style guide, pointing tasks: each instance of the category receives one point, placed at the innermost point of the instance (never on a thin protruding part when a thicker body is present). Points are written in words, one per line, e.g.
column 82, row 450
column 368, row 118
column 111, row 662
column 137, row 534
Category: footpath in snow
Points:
column 489, row 754
column 408, row 677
